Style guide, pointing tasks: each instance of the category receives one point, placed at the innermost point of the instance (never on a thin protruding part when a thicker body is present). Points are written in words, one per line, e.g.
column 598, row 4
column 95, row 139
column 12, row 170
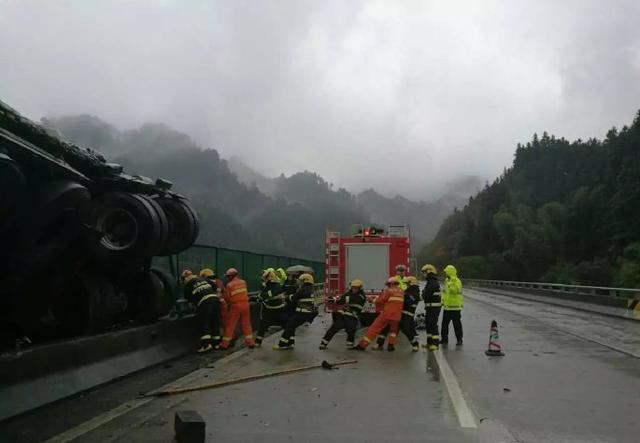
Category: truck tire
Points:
column 170, row 290
column 133, row 227
column 184, row 225
column 50, row 226
column 84, row 303
column 147, row 297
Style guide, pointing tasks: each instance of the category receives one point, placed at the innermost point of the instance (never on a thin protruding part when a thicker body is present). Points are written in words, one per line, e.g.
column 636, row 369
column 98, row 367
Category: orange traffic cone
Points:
column 494, row 342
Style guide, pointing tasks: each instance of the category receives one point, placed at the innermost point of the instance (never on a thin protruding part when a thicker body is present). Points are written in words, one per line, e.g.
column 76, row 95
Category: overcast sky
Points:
column 399, row 95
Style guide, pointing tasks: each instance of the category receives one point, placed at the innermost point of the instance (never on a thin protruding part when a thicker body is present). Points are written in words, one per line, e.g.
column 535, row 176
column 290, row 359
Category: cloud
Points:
column 401, row 96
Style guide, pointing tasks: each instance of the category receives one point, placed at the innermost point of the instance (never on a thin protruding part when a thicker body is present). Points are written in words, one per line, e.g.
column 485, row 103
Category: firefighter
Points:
column 391, row 301
column 304, row 311
column 432, row 303
column 407, row 321
column 206, row 300
column 223, row 310
column 452, row 302
column 401, row 273
column 272, row 304
column 237, row 297
column 347, row 317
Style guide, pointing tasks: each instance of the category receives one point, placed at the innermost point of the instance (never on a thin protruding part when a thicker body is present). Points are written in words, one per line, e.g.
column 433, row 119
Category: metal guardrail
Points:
column 602, row 291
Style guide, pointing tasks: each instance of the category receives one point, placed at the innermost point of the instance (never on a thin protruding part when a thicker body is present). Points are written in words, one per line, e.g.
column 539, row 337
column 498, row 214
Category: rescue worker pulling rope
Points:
column 347, row 317
column 432, row 304
column 304, row 311
column 272, row 304
column 407, row 321
column 237, row 297
column 391, row 301
column 206, row 299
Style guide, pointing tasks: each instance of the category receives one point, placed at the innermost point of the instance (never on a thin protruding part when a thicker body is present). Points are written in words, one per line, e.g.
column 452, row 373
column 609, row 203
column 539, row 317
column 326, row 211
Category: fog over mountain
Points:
column 403, row 97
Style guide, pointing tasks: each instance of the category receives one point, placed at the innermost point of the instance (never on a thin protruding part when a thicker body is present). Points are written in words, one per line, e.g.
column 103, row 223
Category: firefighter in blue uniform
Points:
column 347, row 317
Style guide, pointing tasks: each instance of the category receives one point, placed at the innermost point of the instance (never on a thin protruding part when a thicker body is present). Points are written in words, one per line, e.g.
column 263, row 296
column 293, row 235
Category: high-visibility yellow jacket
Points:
column 401, row 283
column 452, row 299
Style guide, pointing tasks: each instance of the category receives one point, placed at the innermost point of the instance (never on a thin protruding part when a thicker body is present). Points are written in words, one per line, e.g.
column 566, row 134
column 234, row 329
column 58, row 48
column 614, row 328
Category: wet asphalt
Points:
column 567, row 376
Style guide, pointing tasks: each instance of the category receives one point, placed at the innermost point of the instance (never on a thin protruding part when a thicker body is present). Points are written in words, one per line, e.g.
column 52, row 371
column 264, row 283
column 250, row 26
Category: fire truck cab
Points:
column 369, row 253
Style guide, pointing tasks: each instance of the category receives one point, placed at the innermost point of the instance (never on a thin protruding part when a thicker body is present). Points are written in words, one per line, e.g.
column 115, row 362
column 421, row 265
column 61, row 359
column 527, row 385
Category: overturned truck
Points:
column 78, row 236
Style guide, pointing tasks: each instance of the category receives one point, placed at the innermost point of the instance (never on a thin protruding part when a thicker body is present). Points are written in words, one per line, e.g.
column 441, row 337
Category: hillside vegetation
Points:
column 563, row 212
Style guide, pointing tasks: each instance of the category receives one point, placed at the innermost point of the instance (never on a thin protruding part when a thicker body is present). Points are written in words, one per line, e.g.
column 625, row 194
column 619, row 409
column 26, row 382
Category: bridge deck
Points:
column 567, row 376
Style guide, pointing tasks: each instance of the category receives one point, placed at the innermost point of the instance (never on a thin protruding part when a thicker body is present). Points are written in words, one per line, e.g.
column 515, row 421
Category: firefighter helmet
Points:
column 207, row 272
column 269, row 275
column 306, row 278
column 392, row 281
column 231, row 272
column 401, row 268
column 357, row 283
column 186, row 273
column 429, row 269
column 411, row 281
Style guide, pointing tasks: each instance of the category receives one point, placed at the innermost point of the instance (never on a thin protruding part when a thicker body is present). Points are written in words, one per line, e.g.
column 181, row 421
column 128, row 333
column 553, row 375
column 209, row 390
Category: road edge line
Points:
column 466, row 417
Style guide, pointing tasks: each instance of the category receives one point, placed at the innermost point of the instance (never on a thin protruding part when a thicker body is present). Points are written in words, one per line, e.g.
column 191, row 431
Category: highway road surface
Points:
column 567, row 376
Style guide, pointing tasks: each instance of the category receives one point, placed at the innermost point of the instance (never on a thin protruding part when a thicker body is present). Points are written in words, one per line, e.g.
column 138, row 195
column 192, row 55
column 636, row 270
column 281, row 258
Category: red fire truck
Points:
column 371, row 254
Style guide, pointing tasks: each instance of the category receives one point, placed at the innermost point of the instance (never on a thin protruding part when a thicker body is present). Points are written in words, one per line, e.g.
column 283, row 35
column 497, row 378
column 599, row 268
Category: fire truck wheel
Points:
column 183, row 224
column 133, row 226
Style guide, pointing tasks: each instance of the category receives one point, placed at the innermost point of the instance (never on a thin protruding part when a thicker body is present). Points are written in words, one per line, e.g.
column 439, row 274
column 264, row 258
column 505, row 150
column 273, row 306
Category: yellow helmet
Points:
column 357, row 283
column 207, row 272
column 281, row 274
column 269, row 275
column 306, row 278
column 411, row 281
column 429, row 269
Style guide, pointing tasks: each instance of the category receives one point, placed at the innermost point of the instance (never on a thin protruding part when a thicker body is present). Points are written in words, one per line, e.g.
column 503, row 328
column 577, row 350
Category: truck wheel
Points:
column 170, row 290
column 183, row 224
column 133, row 226
column 51, row 225
column 147, row 297
column 12, row 186
column 84, row 303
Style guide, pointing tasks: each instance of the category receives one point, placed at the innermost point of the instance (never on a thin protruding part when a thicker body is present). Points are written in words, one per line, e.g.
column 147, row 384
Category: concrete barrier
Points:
column 34, row 377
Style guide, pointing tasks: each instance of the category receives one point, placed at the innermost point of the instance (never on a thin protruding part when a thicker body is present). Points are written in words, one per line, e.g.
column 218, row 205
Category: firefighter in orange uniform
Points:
column 391, row 301
column 237, row 297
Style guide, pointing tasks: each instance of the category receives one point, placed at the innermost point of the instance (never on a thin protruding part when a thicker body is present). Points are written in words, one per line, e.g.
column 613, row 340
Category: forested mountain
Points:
column 309, row 189
column 563, row 212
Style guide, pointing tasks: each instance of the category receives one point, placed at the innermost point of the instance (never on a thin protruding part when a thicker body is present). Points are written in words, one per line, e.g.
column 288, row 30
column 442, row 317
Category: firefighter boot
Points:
column 258, row 341
column 205, row 348
column 323, row 345
column 391, row 347
column 415, row 346
column 433, row 347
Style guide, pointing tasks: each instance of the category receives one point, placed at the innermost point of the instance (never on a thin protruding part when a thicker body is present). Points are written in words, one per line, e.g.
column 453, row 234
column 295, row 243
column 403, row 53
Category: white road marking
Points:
column 112, row 414
column 466, row 417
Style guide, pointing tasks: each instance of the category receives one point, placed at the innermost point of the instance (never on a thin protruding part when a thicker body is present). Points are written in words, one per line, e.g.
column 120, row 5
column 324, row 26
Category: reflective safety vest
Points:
column 401, row 283
column 236, row 291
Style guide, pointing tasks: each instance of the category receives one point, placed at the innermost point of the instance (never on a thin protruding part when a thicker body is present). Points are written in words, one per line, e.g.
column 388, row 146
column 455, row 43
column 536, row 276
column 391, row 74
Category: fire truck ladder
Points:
column 332, row 264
